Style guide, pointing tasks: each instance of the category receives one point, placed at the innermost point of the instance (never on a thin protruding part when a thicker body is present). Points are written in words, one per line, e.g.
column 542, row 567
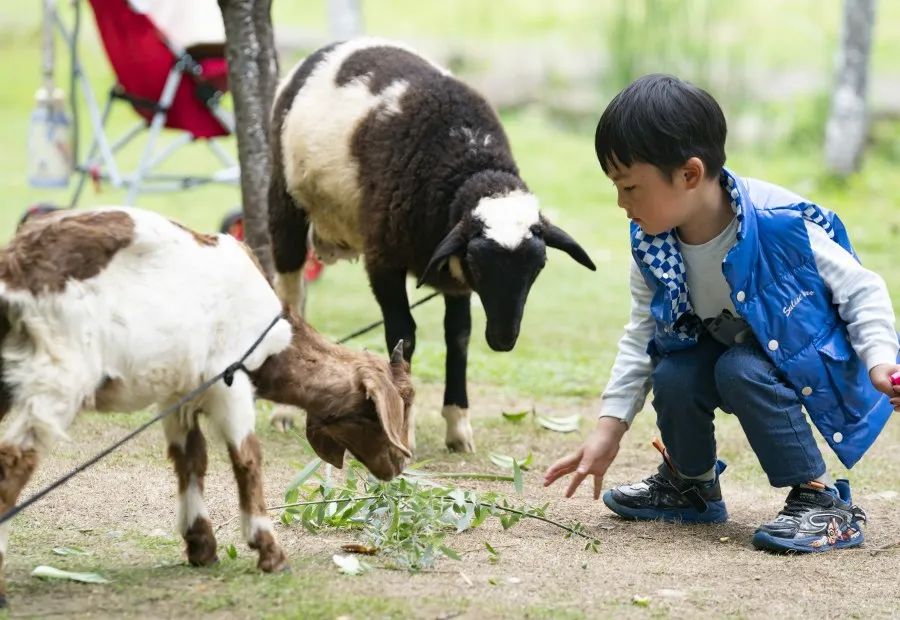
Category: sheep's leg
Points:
column 457, row 327
column 16, row 467
column 389, row 287
column 288, row 228
column 233, row 412
column 187, row 450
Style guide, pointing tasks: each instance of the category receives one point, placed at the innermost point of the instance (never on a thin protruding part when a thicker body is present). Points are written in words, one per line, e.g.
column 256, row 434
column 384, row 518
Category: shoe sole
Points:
column 715, row 513
column 766, row 542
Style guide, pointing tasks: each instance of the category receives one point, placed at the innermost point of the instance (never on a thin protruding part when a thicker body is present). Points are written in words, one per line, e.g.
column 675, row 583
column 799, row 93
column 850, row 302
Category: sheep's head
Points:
column 372, row 421
column 499, row 248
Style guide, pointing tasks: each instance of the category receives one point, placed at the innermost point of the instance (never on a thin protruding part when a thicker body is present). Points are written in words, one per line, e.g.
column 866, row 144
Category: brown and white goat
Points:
column 117, row 309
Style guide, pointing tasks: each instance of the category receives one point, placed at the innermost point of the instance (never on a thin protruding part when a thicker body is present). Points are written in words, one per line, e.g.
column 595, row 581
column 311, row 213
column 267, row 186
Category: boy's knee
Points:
column 672, row 379
column 741, row 367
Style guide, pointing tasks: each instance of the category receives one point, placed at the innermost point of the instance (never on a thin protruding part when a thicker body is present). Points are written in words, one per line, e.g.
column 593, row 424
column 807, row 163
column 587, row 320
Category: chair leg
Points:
column 156, row 125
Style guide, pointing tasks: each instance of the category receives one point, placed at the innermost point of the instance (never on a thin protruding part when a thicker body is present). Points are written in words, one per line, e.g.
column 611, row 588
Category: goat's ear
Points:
column 450, row 245
column 556, row 237
column 327, row 448
column 389, row 406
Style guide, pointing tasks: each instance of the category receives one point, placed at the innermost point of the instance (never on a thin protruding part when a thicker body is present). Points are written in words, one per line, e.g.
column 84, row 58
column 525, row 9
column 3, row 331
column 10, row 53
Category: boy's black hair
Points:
column 663, row 121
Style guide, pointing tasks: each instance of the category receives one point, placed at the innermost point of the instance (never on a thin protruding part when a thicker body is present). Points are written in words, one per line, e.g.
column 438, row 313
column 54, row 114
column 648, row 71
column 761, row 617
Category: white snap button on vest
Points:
column 838, row 437
column 741, row 296
column 773, row 345
column 806, row 391
column 739, row 339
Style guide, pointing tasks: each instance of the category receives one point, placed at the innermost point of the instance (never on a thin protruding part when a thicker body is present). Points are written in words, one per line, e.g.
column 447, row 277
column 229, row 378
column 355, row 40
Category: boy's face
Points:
column 650, row 199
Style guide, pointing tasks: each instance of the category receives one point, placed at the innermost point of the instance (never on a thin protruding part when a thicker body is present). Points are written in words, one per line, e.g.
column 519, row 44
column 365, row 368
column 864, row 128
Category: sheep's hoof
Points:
column 460, row 437
column 282, row 421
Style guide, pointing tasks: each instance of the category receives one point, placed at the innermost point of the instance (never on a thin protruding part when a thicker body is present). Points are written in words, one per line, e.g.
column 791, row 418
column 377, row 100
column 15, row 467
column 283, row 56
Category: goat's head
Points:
column 371, row 420
column 500, row 248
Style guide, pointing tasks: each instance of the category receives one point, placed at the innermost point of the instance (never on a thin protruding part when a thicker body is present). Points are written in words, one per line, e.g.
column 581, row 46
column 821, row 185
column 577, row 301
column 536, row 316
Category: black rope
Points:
column 227, row 375
column 372, row 326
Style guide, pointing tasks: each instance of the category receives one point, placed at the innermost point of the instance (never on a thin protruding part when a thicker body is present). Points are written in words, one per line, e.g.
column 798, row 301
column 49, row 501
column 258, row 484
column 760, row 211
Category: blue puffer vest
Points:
column 776, row 288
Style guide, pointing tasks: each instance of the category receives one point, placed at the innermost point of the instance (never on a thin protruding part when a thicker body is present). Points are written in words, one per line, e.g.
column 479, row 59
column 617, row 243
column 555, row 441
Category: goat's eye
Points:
column 629, row 188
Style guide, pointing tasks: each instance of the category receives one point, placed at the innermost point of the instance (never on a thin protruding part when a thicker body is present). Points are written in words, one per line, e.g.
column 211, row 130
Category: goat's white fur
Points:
column 156, row 331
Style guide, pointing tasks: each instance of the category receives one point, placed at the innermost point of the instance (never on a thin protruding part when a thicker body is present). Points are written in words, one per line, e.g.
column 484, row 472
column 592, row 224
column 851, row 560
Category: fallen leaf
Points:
column 569, row 424
column 358, row 548
column 70, row 551
column 465, row 578
column 515, row 416
column 724, row 539
column 48, row 572
column 640, row 601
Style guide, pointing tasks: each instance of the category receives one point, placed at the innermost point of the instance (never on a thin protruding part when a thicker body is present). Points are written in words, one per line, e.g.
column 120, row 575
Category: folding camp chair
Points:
column 171, row 82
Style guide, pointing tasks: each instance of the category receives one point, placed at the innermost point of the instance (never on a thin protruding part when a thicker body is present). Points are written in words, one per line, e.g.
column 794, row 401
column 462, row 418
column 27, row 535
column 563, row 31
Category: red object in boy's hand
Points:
column 895, row 378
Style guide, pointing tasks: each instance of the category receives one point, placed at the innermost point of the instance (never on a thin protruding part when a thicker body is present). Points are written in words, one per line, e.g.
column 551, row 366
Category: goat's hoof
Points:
column 282, row 421
column 203, row 561
column 274, row 562
column 3, row 603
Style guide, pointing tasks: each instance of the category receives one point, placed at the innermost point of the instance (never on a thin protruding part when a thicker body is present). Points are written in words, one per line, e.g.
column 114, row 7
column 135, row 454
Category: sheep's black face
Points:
column 503, row 277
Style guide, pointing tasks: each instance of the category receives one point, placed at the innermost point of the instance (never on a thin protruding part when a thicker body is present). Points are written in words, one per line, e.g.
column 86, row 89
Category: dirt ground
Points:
column 122, row 512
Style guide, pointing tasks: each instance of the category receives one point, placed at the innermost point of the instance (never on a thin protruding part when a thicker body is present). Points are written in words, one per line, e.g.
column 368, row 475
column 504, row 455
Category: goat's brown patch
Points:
column 191, row 460
column 203, row 239
column 49, row 252
column 16, row 467
column 201, row 543
column 247, row 464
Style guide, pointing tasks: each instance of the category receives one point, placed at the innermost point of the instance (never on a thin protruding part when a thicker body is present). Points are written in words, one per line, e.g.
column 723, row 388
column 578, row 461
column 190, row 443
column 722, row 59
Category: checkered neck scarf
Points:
column 661, row 254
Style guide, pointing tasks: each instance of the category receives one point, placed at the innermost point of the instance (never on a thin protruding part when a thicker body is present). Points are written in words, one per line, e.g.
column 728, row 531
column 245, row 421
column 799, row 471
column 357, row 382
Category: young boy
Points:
column 745, row 297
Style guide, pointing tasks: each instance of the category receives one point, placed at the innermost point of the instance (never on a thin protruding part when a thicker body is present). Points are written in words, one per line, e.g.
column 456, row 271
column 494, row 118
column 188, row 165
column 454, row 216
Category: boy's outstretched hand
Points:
column 593, row 458
column 881, row 378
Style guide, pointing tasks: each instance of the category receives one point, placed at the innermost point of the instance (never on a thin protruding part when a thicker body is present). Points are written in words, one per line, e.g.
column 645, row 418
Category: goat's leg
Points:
column 231, row 408
column 187, row 450
column 288, row 229
column 457, row 327
column 16, row 467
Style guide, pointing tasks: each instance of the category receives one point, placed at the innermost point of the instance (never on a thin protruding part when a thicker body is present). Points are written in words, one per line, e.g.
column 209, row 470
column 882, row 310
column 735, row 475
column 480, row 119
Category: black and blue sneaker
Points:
column 666, row 496
column 815, row 518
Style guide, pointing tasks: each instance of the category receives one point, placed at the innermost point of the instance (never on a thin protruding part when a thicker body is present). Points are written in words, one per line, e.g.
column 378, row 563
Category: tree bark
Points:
column 845, row 133
column 252, row 76
column 345, row 19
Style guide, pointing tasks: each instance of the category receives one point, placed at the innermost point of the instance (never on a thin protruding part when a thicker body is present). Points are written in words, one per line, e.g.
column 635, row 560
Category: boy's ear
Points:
column 692, row 172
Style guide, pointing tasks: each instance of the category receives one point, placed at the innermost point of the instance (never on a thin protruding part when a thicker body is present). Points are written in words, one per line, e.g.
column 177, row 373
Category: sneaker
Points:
column 668, row 497
column 815, row 518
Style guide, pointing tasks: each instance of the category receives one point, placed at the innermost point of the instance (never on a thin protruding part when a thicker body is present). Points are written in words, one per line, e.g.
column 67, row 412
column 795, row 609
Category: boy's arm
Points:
column 629, row 379
column 861, row 297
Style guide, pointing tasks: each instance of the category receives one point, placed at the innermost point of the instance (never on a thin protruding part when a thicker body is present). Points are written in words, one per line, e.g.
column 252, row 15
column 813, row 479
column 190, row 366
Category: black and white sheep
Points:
column 384, row 154
column 117, row 309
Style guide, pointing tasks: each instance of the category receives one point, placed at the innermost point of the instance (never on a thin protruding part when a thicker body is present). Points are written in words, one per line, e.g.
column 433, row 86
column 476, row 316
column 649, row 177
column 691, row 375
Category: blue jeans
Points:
column 688, row 385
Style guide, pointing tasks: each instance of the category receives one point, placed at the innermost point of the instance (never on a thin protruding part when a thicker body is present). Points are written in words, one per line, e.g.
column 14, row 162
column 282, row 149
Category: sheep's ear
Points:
column 388, row 404
column 556, row 237
column 450, row 245
column 325, row 446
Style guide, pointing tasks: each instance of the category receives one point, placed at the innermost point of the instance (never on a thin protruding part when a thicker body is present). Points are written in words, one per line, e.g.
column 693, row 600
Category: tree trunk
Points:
column 345, row 19
column 252, row 76
column 845, row 133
